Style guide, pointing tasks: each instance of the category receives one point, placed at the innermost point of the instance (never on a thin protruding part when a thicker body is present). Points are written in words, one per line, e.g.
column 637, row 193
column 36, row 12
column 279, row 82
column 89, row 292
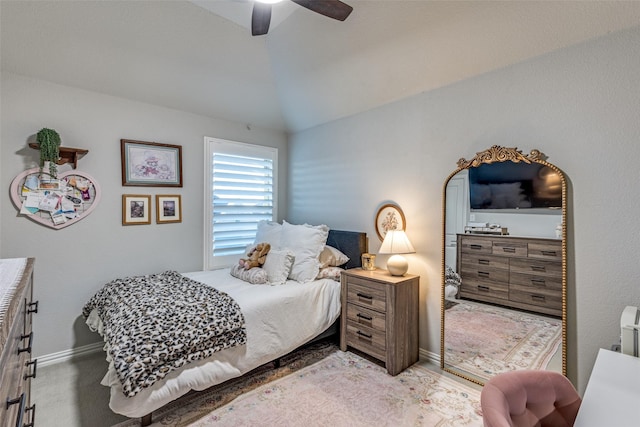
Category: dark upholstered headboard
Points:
column 351, row 243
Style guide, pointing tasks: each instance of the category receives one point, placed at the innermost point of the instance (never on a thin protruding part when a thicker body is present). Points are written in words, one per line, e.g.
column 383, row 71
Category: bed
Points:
column 277, row 320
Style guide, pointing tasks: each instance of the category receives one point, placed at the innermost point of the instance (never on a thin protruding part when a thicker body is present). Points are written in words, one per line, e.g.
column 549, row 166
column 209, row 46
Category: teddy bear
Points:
column 256, row 256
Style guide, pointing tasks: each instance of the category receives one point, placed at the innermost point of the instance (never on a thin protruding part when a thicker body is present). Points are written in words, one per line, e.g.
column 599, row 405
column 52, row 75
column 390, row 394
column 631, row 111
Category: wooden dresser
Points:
column 16, row 339
column 380, row 316
column 516, row 272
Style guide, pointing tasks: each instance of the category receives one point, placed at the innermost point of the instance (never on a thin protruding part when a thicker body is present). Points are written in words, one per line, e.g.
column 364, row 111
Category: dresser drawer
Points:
column 365, row 295
column 475, row 245
column 546, row 250
column 536, row 267
column 484, row 291
column 367, row 339
column 363, row 316
column 540, row 298
column 473, row 262
column 486, row 275
column 534, row 282
column 509, row 248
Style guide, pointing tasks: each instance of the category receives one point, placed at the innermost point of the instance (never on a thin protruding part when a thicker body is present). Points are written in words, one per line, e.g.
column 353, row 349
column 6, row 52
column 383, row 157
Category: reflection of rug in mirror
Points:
column 485, row 340
column 448, row 304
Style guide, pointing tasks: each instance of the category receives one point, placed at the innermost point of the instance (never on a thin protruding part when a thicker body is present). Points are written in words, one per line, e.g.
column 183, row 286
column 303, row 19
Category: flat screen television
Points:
column 510, row 185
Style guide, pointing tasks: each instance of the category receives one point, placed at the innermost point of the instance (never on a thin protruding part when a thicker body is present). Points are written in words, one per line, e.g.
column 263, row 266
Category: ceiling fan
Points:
column 261, row 16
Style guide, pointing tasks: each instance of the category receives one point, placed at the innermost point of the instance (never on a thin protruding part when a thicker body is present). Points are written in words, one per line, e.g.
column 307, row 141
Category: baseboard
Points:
column 67, row 355
column 430, row 356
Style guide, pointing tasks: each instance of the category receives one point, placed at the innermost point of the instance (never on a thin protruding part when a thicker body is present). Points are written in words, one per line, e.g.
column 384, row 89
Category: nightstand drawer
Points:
column 365, row 295
column 367, row 339
column 365, row 317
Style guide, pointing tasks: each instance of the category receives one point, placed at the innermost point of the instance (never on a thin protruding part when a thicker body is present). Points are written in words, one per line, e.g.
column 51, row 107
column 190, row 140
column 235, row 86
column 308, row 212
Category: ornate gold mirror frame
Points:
column 493, row 155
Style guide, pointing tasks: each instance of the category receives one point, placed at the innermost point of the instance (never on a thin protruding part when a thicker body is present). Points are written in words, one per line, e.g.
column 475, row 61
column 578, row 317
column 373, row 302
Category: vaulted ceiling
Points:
column 200, row 56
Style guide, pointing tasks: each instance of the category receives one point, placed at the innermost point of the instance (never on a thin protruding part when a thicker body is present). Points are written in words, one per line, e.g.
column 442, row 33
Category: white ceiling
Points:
column 307, row 71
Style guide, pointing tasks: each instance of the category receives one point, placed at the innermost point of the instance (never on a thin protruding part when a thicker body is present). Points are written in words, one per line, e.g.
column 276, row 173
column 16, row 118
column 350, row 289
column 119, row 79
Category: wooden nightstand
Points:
column 380, row 316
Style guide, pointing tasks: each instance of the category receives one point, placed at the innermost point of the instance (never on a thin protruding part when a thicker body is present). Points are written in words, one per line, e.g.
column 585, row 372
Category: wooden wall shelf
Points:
column 67, row 154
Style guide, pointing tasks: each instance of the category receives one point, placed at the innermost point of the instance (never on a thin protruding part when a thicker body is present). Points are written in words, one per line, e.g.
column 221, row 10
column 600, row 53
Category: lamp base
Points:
column 397, row 265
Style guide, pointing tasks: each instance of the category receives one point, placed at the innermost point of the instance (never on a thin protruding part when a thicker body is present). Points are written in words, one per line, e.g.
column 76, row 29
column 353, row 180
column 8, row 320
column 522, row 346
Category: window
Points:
column 240, row 191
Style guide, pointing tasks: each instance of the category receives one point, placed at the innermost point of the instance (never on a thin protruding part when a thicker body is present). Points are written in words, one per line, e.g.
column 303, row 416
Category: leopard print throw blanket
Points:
column 157, row 323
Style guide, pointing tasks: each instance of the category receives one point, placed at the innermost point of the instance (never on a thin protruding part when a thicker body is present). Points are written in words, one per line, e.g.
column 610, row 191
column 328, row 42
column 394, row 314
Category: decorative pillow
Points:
column 332, row 257
column 270, row 232
column 330, row 273
column 255, row 276
column 278, row 265
column 306, row 242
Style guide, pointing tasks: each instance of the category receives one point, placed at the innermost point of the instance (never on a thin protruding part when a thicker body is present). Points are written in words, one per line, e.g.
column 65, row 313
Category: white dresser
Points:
column 612, row 397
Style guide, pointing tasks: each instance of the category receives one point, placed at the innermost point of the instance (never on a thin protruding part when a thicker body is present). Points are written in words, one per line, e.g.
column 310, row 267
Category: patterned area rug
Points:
column 341, row 389
column 485, row 340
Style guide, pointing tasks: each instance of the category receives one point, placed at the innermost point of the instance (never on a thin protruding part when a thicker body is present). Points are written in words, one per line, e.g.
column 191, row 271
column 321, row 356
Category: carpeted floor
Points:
column 321, row 386
column 484, row 340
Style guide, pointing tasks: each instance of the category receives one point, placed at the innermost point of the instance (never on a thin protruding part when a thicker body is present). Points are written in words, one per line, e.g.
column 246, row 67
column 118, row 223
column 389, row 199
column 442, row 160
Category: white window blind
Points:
column 241, row 193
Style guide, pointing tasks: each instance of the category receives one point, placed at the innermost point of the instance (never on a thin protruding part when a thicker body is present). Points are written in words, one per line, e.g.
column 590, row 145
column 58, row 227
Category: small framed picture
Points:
column 389, row 217
column 136, row 209
column 151, row 164
column 168, row 208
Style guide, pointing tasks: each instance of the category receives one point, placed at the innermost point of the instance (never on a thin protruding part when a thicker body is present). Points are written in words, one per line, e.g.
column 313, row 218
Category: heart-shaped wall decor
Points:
column 55, row 203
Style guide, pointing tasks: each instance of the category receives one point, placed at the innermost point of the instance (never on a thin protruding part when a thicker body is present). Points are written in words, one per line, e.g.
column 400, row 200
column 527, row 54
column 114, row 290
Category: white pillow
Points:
column 270, row 232
column 332, row 257
column 278, row 265
column 306, row 242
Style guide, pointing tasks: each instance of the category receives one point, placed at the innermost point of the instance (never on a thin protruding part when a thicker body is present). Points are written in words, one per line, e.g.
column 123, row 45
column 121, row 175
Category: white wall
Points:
column 74, row 262
column 579, row 105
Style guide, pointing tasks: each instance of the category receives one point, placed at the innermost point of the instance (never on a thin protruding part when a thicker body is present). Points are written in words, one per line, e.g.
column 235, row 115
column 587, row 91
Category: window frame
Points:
column 217, row 145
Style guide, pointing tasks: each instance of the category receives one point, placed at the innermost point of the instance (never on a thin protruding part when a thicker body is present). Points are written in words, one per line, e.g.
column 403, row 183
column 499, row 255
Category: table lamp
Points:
column 396, row 243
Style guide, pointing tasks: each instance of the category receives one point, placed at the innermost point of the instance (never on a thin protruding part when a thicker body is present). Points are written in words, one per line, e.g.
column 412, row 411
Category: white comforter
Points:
column 278, row 320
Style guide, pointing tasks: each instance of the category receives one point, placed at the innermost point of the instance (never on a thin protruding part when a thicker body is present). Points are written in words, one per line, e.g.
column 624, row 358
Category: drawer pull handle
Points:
column 484, row 261
column 364, row 296
column 537, row 297
column 19, row 401
column 31, row 307
column 483, row 274
column 549, row 253
column 362, row 334
column 20, row 416
column 33, row 415
column 538, row 282
column 28, row 348
column 35, row 368
column 475, row 247
column 483, row 288
column 540, row 268
column 509, row 250
column 362, row 316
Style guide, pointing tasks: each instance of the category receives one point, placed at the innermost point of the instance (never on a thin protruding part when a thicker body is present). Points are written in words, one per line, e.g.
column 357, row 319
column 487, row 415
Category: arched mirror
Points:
column 504, row 265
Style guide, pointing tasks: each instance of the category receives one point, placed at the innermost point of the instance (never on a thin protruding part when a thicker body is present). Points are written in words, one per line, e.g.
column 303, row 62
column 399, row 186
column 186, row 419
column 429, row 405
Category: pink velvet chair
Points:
column 529, row 398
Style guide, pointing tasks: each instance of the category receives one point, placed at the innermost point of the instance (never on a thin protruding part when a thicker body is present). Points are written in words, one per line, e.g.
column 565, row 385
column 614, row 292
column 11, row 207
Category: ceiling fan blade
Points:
column 260, row 18
column 332, row 8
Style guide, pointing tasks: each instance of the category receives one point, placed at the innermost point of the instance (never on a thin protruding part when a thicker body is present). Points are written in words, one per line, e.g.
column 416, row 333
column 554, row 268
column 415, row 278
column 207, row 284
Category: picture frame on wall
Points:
column 150, row 164
column 168, row 208
column 389, row 217
column 136, row 209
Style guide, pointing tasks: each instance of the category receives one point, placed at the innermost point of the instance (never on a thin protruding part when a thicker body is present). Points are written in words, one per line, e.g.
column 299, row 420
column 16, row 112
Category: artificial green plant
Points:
column 49, row 142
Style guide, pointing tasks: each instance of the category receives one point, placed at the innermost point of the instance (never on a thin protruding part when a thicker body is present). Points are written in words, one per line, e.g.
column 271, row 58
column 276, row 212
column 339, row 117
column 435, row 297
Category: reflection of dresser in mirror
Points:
column 456, row 211
column 515, row 272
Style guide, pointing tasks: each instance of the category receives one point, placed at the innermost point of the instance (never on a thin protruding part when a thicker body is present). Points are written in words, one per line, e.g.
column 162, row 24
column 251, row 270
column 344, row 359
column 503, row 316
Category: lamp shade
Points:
column 396, row 242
